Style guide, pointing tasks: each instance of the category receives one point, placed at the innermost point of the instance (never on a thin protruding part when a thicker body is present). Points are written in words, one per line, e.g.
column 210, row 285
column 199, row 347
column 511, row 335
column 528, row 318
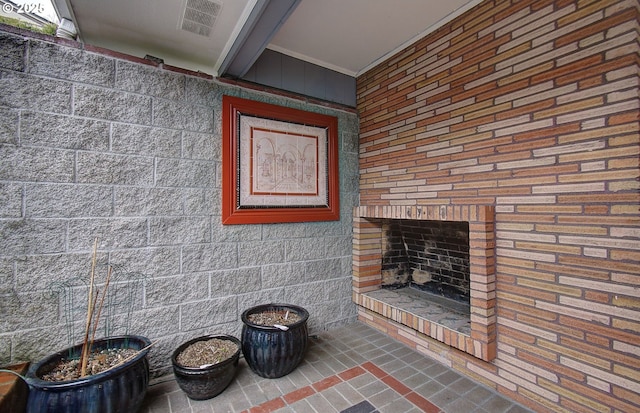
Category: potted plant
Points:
column 205, row 366
column 104, row 375
column 121, row 387
column 274, row 338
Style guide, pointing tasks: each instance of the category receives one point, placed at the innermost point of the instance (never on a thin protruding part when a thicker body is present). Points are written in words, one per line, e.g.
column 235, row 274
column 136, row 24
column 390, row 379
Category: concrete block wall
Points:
column 98, row 144
column 532, row 107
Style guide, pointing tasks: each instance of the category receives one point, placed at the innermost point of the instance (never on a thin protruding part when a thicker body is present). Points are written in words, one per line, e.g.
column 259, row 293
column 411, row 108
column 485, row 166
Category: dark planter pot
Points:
column 269, row 351
column 119, row 389
column 205, row 383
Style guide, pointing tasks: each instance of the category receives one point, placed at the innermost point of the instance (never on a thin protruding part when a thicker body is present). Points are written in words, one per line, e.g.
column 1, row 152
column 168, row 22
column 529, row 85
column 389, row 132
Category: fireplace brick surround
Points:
column 529, row 110
column 367, row 266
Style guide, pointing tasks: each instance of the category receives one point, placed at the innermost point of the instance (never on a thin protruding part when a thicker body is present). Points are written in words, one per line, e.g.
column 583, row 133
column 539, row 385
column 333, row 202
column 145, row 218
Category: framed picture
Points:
column 278, row 165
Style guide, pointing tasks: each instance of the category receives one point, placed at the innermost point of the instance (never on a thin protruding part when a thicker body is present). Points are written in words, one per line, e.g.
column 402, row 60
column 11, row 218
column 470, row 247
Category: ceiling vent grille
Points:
column 200, row 16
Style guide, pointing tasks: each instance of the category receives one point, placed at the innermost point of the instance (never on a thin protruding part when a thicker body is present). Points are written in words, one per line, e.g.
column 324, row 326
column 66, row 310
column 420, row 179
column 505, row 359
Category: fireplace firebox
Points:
column 430, row 256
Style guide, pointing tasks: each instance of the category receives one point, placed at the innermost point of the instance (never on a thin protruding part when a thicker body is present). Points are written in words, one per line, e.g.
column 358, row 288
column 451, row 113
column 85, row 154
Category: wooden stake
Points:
column 97, row 318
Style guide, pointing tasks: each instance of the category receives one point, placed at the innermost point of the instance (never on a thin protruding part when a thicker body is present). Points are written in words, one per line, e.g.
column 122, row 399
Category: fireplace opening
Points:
column 429, row 256
column 428, row 271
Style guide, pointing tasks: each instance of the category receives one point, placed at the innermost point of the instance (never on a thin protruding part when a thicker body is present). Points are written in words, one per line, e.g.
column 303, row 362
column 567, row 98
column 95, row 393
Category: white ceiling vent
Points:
column 200, row 15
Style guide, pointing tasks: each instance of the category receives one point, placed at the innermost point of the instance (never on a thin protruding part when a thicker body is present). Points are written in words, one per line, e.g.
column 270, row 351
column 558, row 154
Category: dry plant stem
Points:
column 130, row 357
column 85, row 343
column 93, row 311
column 97, row 319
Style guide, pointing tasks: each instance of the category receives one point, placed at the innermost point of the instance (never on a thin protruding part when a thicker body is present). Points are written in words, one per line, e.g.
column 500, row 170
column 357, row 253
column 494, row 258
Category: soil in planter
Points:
column 206, row 353
column 97, row 363
column 270, row 318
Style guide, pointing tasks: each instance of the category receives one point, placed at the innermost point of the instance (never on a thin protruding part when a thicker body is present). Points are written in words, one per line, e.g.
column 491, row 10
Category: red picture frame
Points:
column 279, row 164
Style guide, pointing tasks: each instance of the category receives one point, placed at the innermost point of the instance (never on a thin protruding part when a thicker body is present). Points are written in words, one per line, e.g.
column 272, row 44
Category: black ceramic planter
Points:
column 119, row 389
column 204, row 383
column 269, row 351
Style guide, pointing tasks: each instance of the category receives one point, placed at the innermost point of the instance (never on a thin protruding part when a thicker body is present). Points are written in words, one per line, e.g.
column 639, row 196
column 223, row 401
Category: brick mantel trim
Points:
column 367, row 267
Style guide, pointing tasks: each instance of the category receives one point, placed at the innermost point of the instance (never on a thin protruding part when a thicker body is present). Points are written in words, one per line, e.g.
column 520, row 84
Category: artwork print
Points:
column 279, row 164
column 282, row 163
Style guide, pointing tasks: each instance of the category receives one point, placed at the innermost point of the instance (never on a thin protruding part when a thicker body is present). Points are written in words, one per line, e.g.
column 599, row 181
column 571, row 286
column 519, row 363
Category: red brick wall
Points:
column 530, row 106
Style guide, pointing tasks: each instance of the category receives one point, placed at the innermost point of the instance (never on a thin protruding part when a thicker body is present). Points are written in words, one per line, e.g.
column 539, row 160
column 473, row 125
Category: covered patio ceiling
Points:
column 225, row 37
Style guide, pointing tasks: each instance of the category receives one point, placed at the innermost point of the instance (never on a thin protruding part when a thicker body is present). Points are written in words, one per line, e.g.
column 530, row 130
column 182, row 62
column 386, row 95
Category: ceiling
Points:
column 225, row 37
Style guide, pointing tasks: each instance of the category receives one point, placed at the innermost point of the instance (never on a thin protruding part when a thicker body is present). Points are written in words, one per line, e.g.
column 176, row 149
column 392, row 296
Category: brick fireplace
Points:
column 520, row 118
column 368, row 245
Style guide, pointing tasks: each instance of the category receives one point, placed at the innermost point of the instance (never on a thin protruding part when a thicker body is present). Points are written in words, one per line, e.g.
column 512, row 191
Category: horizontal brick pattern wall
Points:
column 531, row 106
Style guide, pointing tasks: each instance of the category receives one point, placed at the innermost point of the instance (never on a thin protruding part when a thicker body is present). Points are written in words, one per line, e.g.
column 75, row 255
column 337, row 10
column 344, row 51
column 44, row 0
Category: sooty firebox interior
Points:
column 431, row 256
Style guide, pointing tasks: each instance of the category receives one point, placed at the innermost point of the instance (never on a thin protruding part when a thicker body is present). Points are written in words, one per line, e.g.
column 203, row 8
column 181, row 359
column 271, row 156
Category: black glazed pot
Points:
column 201, row 383
column 272, row 352
column 119, row 389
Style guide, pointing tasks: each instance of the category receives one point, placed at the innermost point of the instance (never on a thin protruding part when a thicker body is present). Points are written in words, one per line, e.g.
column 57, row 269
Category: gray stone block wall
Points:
column 94, row 146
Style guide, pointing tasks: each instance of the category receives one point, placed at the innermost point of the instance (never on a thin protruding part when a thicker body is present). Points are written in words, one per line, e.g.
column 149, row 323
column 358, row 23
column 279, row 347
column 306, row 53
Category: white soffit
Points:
column 352, row 36
column 155, row 27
